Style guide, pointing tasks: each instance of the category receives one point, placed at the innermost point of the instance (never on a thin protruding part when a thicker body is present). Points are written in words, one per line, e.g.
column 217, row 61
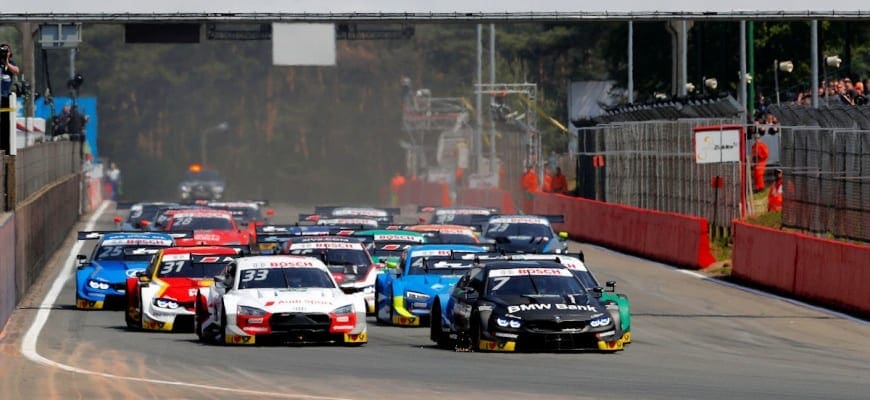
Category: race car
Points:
column 357, row 223
column 279, row 298
column 139, row 212
column 404, row 295
column 210, row 228
column 162, row 297
column 271, row 238
column 457, row 215
column 244, row 212
column 526, row 305
column 446, row 234
column 348, row 261
column 525, row 234
column 386, row 245
column 200, row 183
column 617, row 303
column 383, row 215
column 101, row 279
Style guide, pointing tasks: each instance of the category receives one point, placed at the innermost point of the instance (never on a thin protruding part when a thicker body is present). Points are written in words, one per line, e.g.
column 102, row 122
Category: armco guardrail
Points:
column 673, row 238
column 820, row 270
column 7, row 267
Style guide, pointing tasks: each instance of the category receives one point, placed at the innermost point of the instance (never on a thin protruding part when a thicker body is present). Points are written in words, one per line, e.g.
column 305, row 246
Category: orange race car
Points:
column 210, row 228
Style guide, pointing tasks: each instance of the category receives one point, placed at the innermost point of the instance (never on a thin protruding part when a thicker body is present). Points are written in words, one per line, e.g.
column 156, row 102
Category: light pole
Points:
column 785, row 66
column 203, row 138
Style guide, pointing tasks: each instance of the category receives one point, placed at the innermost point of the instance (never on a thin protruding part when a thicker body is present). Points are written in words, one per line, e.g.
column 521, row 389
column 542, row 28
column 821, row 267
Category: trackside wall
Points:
column 41, row 225
column 669, row 237
column 820, row 270
column 7, row 266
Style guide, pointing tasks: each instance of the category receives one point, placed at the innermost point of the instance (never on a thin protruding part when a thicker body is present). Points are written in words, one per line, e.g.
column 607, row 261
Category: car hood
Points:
column 116, row 271
column 431, row 284
column 576, row 307
column 294, row 300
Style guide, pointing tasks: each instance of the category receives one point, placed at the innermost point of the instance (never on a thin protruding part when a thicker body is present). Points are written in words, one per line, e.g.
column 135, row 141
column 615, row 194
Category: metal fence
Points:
column 827, row 170
column 44, row 164
column 651, row 165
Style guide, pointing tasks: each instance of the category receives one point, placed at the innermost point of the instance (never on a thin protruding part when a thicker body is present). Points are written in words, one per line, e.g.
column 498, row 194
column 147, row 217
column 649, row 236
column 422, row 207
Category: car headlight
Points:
column 603, row 321
column 417, row 296
column 512, row 323
column 219, row 189
column 184, row 188
column 348, row 309
column 98, row 285
column 166, row 303
column 251, row 311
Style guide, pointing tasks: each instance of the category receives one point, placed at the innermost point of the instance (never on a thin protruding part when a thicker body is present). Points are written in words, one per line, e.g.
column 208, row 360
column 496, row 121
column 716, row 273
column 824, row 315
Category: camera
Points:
column 4, row 54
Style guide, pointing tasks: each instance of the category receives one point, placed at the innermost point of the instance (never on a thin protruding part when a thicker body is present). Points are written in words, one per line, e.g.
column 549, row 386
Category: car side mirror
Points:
column 611, row 286
column 81, row 259
column 390, row 264
column 220, row 280
column 597, row 291
column 563, row 235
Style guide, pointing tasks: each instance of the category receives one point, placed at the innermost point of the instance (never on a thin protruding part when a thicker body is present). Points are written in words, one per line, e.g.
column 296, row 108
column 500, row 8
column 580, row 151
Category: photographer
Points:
column 8, row 70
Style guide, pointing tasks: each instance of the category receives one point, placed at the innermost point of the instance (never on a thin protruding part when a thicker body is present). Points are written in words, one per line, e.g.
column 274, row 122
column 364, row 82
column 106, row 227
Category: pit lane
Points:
column 692, row 339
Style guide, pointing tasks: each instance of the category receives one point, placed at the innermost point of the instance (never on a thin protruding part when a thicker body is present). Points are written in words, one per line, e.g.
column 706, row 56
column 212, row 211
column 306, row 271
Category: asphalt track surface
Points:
column 693, row 338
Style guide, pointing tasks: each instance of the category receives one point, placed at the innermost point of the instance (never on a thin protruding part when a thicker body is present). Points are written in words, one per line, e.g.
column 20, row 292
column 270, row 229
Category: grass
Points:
column 771, row 220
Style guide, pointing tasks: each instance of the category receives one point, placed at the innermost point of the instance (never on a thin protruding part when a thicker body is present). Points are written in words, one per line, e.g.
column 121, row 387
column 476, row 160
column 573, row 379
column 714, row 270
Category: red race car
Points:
column 210, row 228
column 162, row 297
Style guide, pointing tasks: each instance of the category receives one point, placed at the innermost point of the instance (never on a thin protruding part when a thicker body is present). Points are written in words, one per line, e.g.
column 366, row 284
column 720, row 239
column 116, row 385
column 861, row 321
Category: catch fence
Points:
column 652, row 165
column 826, row 168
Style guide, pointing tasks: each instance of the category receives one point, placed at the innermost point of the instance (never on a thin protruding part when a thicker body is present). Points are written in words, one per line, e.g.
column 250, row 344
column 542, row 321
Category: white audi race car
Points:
column 281, row 299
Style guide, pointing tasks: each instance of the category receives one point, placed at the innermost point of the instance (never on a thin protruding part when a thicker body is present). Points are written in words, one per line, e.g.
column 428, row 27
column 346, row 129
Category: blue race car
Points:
column 525, row 234
column 405, row 291
column 101, row 282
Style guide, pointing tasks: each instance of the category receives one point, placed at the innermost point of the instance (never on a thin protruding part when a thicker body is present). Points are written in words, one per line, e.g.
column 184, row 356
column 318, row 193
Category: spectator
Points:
column 114, row 177
column 396, row 183
column 560, row 184
column 774, row 198
column 529, row 184
column 548, row 181
column 759, row 163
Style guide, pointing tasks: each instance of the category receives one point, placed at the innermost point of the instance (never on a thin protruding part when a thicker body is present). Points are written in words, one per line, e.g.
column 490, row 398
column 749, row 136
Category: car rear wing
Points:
column 96, row 235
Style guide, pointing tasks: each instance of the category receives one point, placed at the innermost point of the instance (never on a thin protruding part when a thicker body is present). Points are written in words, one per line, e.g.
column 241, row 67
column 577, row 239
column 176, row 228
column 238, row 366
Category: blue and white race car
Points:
column 101, row 281
column 404, row 292
column 525, row 234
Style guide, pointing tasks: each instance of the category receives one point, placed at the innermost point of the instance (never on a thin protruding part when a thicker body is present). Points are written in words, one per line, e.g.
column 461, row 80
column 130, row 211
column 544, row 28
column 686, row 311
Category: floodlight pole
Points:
column 478, row 143
column 814, row 60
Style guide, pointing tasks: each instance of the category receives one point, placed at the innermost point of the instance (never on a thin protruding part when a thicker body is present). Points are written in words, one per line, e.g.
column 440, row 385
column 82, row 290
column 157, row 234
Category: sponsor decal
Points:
column 429, row 253
column 612, row 345
column 398, row 238
column 489, row 345
column 132, row 272
column 137, row 242
column 326, row 245
column 89, row 305
column 299, row 301
column 519, row 220
column 156, row 325
column 207, row 237
column 529, row 271
column 548, row 307
column 403, row 320
column 176, row 257
column 238, row 339
column 290, row 263
column 362, row 337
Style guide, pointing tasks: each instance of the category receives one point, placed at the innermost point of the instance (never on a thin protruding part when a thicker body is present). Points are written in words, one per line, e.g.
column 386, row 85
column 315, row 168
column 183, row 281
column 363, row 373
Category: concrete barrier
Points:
column 7, row 267
column 673, row 238
column 41, row 225
column 825, row 271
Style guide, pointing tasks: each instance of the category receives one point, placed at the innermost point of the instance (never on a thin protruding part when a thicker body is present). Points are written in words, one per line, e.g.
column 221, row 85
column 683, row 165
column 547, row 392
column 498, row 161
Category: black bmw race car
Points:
column 201, row 184
column 525, row 305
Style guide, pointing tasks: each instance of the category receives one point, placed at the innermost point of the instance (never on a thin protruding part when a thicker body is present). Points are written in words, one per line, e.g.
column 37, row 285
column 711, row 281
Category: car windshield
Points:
column 439, row 266
column 517, row 230
column 201, row 223
column 126, row 253
column 353, row 264
column 531, row 284
column 206, row 175
column 201, row 267
column 456, row 219
column 284, row 278
column 450, row 238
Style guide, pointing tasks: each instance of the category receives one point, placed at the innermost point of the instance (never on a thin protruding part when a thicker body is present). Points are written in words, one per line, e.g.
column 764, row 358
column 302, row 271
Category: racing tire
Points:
column 436, row 329
column 613, row 309
column 197, row 316
column 131, row 323
column 475, row 332
column 377, row 311
column 223, row 332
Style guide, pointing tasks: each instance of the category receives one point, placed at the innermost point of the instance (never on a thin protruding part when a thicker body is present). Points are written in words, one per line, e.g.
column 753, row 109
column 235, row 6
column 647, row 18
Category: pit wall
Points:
column 824, row 271
column 7, row 266
column 672, row 238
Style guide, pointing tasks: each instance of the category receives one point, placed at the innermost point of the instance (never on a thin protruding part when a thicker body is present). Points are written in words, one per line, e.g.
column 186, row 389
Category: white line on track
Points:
column 28, row 345
column 738, row 287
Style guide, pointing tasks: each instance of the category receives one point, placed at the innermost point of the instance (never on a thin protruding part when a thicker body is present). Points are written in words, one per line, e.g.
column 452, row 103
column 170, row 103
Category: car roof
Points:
column 217, row 250
column 137, row 235
column 441, row 228
column 519, row 219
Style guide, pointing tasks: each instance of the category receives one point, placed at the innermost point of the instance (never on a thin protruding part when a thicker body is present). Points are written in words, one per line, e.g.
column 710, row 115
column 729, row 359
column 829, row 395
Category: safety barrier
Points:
column 495, row 198
column 424, row 193
column 673, row 238
column 819, row 270
column 7, row 266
